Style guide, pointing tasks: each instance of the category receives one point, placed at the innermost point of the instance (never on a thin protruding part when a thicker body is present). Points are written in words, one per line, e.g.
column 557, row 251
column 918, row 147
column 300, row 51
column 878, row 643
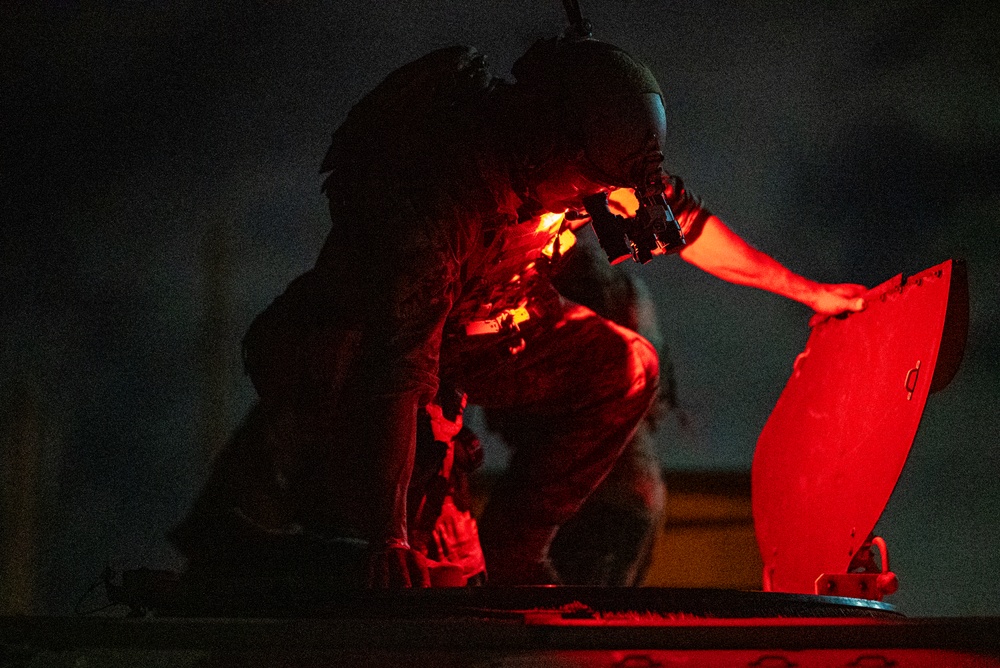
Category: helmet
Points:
column 606, row 104
column 608, row 110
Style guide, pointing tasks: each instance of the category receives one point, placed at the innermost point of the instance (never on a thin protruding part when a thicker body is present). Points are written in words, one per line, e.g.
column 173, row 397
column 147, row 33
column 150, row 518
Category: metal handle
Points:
column 910, row 384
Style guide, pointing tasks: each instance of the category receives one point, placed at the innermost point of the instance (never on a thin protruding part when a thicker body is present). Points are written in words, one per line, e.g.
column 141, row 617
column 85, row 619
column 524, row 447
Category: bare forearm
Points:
column 394, row 445
column 722, row 253
column 391, row 561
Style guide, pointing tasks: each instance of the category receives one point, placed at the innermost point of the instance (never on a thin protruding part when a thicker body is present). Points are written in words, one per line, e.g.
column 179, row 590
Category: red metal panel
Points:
column 835, row 444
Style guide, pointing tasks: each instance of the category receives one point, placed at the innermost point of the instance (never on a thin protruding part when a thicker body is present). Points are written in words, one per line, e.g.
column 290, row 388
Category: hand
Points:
column 397, row 566
column 456, row 537
column 833, row 298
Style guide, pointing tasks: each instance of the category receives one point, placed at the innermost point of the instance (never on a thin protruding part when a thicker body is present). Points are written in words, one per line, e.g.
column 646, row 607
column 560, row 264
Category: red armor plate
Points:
column 835, row 444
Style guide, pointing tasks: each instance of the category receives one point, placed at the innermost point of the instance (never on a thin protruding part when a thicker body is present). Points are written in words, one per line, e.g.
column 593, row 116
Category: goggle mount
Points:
column 653, row 228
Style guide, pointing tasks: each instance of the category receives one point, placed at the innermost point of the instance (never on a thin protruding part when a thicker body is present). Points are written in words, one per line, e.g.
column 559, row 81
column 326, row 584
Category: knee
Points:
column 628, row 380
column 624, row 371
column 642, row 371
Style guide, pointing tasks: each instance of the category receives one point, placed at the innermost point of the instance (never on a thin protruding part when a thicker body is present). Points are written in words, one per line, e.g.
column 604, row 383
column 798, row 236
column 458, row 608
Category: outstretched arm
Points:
column 722, row 253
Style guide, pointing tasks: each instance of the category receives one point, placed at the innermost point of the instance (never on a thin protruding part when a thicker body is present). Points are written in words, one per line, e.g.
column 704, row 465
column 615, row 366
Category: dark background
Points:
column 159, row 186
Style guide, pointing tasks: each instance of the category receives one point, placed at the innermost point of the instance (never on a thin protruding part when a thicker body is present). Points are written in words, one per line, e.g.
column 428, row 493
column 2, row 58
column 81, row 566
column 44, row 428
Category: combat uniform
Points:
column 432, row 246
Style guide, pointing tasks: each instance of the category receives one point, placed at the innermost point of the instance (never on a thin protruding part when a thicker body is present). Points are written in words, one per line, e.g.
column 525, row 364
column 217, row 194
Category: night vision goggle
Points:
column 652, row 229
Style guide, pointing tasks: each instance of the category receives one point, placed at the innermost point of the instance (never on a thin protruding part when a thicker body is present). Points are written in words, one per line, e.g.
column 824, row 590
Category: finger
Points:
column 848, row 290
column 441, row 544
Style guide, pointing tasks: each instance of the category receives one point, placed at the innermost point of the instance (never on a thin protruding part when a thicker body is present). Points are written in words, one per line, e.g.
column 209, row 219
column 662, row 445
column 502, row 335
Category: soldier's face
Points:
column 622, row 134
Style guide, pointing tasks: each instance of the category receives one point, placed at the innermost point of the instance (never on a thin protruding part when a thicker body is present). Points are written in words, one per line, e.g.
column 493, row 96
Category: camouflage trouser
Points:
column 609, row 541
column 567, row 404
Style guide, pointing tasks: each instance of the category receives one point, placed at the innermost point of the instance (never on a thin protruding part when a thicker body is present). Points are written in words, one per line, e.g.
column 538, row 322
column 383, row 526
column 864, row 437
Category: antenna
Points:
column 578, row 25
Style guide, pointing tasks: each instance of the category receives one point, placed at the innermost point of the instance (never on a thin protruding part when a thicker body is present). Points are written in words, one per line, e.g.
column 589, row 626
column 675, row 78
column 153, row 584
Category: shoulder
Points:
column 405, row 115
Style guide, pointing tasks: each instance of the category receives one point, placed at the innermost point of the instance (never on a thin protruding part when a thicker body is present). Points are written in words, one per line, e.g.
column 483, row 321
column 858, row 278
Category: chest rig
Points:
column 509, row 285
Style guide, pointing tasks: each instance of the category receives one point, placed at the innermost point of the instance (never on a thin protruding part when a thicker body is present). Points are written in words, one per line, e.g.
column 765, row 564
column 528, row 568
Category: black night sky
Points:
column 159, row 186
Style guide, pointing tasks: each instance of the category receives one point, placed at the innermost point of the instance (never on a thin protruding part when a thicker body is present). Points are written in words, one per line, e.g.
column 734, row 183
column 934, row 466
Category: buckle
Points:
column 507, row 321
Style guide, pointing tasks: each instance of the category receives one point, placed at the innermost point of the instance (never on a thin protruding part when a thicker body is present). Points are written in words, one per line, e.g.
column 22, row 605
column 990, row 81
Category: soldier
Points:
column 451, row 194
